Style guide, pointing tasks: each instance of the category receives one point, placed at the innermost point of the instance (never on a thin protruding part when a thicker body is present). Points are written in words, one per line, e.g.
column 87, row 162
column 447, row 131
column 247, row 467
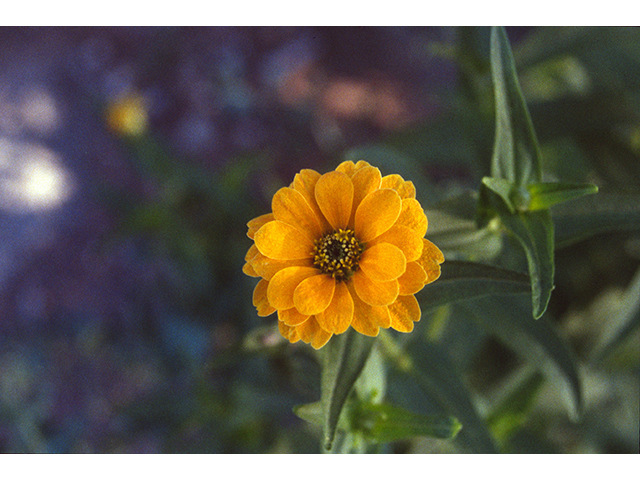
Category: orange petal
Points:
column 368, row 319
column 413, row 279
column 284, row 283
column 320, row 339
column 347, row 167
column 337, row 317
column 260, row 300
column 365, row 181
column 255, row 224
column 289, row 206
column 247, row 269
column 334, row 194
column 290, row 333
column 430, row 260
column 383, row 262
column 413, row 216
column 350, row 168
column 292, row 317
column 377, row 212
column 405, row 239
column 281, row 241
column 372, row 292
column 267, row 267
column 311, row 332
column 405, row 188
column 252, row 252
column 314, row 294
column 404, row 312
column 305, row 183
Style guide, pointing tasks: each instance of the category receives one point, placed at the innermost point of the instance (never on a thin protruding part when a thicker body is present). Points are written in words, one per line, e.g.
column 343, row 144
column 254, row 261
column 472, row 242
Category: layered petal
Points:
column 290, row 333
column 334, row 194
column 412, row 215
column 377, row 212
column 289, row 206
column 368, row 319
column 292, row 317
column 404, row 312
column 405, row 239
column 314, row 294
column 405, row 188
column 305, row 183
column 365, row 181
column 349, row 167
column 255, row 224
column 281, row 241
column 260, row 300
column 337, row 317
column 247, row 269
column 430, row 260
column 267, row 267
column 311, row 332
column 383, row 262
column 373, row 292
column 412, row 280
column 284, row 283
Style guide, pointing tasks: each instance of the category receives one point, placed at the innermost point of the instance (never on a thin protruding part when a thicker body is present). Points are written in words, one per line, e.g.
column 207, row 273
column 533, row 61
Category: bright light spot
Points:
column 31, row 177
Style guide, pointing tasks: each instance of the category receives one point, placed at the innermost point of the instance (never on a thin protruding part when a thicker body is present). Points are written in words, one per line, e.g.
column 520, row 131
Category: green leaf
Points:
column 516, row 155
column 388, row 423
column 503, row 188
column 467, row 280
column 428, row 367
column 534, row 341
column 344, row 358
column 591, row 216
column 534, row 231
column 545, row 195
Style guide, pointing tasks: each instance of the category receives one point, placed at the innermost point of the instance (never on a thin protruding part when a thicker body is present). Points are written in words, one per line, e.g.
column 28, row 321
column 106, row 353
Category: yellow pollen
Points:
column 337, row 254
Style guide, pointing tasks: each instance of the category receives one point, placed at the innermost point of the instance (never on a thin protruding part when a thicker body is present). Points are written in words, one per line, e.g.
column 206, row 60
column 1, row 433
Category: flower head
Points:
column 339, row 250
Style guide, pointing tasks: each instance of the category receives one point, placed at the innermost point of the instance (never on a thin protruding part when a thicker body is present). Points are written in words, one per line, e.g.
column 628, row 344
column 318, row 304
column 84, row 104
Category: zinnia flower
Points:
column 342, row 249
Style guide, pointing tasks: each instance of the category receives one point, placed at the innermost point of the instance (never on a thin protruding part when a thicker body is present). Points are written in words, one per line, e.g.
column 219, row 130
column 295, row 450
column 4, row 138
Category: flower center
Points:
column 337, row 254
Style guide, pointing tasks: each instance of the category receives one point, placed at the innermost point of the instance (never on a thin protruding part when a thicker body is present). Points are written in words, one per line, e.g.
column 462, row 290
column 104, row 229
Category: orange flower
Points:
column 342, row 249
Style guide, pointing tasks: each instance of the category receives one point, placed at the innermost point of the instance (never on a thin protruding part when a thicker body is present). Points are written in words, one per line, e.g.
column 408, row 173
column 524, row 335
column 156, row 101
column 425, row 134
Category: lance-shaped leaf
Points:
column 516, row 165
column 467, row 280
column 545, row 195
column 534, row 231
column 516, row 155
column 344, row 358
